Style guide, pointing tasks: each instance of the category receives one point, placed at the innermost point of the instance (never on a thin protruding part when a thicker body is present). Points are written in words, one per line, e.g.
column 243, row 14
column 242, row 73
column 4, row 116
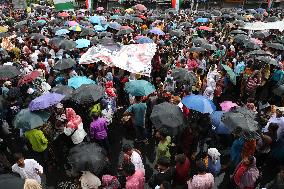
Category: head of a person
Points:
column 19, row 159
column 279, row 113
column 127, row 149
column 128, row 169
column 273, row 127
column 161, row 134
column 165, row 185
column 180, row 159
column 201, row 167
column 32, row 184
column 175, row 100
column 138, row 98
column 163, row 163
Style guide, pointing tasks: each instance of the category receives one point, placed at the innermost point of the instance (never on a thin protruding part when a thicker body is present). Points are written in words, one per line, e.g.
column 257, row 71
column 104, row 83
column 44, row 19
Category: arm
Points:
column 37, row 167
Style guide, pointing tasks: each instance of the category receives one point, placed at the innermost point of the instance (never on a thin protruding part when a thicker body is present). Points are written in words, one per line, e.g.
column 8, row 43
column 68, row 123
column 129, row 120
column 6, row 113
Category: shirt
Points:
column 139, row 111
column 98, row 129
column 137, row 161
column 136, row 181
column 37, row 140
column 29, row 171
column 205, row 181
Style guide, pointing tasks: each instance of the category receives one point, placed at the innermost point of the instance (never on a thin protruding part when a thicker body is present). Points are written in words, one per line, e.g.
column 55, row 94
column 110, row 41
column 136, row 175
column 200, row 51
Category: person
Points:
column 212, row 161
column 135, row 179
column 89, row 181
column 133, row 156
column 138, row 111
column 32, row 184
column 27, row 168
column 163, row 148
column 110, row 182
column 182, row 170
column 166, row 173
column 202, row 180
column 246, row 174
column 278, row 181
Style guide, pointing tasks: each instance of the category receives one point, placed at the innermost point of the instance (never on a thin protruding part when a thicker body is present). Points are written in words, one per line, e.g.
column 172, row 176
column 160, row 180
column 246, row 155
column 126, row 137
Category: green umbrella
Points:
column 230, row 73
column 139, row 88
column 28, row 120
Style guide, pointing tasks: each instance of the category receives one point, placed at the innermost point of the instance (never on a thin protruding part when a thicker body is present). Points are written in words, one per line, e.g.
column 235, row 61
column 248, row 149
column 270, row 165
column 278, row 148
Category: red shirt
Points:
column 182, row 171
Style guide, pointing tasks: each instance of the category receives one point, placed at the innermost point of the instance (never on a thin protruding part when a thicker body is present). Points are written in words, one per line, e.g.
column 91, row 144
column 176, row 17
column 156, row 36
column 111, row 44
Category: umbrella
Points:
column 42, row 22
column 77, row 81
column 202, row 20
column 28, row 78
column 240, row 23
column 230, row 73
column 62, row 32
column 238, row 32
column 37, row 36
column 21, row 24
column 277, row 46
column 76, row 28
column 216, row 13
column 140, row 7
column 88, row 93
column 114, row 25
column 72, row 23
column 129, row 10
column 87, row 157
column 82, row 43
column 210, row 47
column 169, row 116
column 28, row 120
column 240, row 38
column 227, row 105
column 156, row 31
column 124, row 31
column 267, row 60
column 85, row 23
column 3, row 29
column 197, row 49
column 10, row 181
column 8, row 72
column 184, row 76
column 87, row 32
column 14, row 93
column 272, row 19
column 105, row 34
column 95, row 20
column 199, row 103
column 64, row 90
column 240, row 117
column 142, row 40
column 177, row 33
column 260, row 34
column 6, row 34
column 67, row 44
column 260, row 10
column 251, row 45
column 99, row 28
column 55, row 41
column 64, row 64
column 279, row 91
column 199, row 41
column 139, row 88
column 44, row 101
column 259, row 53
column 219, row 126
column 100, row 9
column 106, row 41
column 114, row 17
column 205, row 28
column 63, row 14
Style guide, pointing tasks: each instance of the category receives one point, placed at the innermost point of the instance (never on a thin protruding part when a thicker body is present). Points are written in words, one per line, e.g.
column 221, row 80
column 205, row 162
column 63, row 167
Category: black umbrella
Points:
column 168, row 116
column 105, row 34
column 106, row 41
column 279, row 91
column 186, row 24
column 85, row 23
column 88, row 93
column 14, row 92
column 281, row 40
column 267, row 60
column 177, row 33
column 259, row 53
column 240, row 117
column 55, row 21
column 124, row 31
column 4, row 34
column 37, row 36
column 239, row 23
column 87, row 157
column 199, row 41
column 64, row 64
column 10, row 181
column 277, row 46
column 136, row 19
column 21, row 24
column 55, row 41
column 235, row 32
column 240, row 38
column 272, row 19
column 260, row 34
column 197, row 49
column 209, row 47
column 8, row 72
column 184, row 76
column 67, row 45
column 65, row 90
column 251, row 45
column 216, row 13
column 250, row 135
column 87, row 32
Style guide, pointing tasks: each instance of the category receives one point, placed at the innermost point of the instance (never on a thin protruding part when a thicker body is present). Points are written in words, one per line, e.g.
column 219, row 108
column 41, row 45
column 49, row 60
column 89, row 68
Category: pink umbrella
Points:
column 72, row 23
column 139, row 36
column 227, row 105
column 140, row 7
column 100, row 9
column 257, row 41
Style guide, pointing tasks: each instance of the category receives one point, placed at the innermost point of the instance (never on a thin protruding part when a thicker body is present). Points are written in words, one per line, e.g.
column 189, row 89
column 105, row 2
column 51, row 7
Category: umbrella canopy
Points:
column 105, row 34
column 235, row 32
column 67, row 44
column 260, row 34
column 230, row 73
column 202, row 20
column 199, row 41
column 87, row 32
column 77, row 81
column 251, row 45
column 140, row 7
column 156, row 31
column 64, row 64
column 95, row 20
column 76, row 28
column 205, row 28
column 124, row 31
column 259, row 53
column 62, row 32
column 44, row 101
column 240, row 38
column 139, row 88
column 169, row 116
column 142, row 40
column 199, row 103
column 37, row 36
column 87, row 157
column 83, row 43
column 100, row 9
column 114, row 25
column 28, row 78
column 9, row 72
column 184, row 76
column 64, row 90
column 28, row 120
column 3, row 29
column 279, row 91
column 216, row 13
column 197, row 49
column 55, row 41
column 227, row 105
column 63, row 14
column 177, row 33
column 210, row 47
column 9, row 181
column 72, row 23
column 216, row 121
column 277, row 46
column 240, row 117
column 88, row 94
column 267, row 60
column 99, row 28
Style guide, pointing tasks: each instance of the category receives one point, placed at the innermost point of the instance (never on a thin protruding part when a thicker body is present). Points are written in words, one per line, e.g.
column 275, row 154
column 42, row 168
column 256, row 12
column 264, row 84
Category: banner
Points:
column 135, row 58
column 176, row 4
column 278, row 25
column 19, row 4
column 61, row 5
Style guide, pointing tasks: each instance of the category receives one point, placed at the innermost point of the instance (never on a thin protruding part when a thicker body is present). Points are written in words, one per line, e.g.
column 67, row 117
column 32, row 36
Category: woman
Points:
column 32, row 184
column 246, row 174
column 181, row 170
column 212, row 161
column 203, row 180
column 163, row 149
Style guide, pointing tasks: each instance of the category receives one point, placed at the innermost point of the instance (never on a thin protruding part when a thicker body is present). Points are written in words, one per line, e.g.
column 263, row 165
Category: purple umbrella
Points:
column 156, row 31
column 44, row 101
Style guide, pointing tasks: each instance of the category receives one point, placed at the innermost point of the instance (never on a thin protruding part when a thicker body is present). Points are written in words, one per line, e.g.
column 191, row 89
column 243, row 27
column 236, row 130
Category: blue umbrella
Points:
column 199, row 103
column 44, row 101
column 95, row 20
column 156, row 31
column 99, row 28
column 82, row 43
column 42, row 22
column 114, row 25
column 202, row 20
column 77, row 81
column 144, row 40
column 220, row 128
column 260, row 10
column 62, row 32
column 139, row 88
column 114, row 17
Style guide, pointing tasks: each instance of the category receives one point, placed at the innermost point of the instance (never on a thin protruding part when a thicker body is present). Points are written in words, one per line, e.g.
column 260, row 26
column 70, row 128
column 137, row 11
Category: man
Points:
column 27, row 168
column 138, row 111
column 135, row 179
column 133, row 156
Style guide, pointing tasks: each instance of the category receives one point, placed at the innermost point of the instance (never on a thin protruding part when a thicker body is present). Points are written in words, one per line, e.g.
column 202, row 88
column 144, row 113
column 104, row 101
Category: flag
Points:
column 89, row 4
column 176, row 4
column 269, row 3
column 61, row 5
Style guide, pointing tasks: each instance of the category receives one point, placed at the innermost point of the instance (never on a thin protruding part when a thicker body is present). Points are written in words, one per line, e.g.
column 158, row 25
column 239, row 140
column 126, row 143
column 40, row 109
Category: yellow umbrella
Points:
column 3, row 29
column 129, row 10
column 76, row 28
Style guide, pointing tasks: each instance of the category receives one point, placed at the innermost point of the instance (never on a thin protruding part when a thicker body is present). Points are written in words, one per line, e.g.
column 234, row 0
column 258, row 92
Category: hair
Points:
column 18, row 156
column 163, row 132
column 201, row 168
column 126, row 148
column 163, row 161
column 138, row 98
column 180, row 158
column 166, row 184
column 129, row 168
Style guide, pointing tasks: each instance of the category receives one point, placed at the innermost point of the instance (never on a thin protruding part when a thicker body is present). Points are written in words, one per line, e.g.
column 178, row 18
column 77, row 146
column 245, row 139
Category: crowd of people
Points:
column 212, row 104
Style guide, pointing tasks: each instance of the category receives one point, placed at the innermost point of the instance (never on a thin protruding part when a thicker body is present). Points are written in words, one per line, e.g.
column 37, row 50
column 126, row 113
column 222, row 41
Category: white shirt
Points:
column 279, row 122
column 137, row 161
column 29, row 171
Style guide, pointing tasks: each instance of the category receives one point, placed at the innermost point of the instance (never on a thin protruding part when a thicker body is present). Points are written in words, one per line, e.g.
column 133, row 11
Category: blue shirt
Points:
column 240, row 68
column 214, row 168
column 277, row 76
column 138, row 110
column 236, row 150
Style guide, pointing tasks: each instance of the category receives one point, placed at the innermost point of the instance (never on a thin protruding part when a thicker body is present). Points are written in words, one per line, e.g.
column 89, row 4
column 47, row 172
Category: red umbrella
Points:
column 140, row 7
column 28, row 78
column 63, row 14
column 206, row 28
column 143, row 17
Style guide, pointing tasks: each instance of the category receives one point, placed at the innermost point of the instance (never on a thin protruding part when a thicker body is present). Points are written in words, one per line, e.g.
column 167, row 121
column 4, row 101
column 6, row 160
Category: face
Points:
column 21, row 162
column 162, row 186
